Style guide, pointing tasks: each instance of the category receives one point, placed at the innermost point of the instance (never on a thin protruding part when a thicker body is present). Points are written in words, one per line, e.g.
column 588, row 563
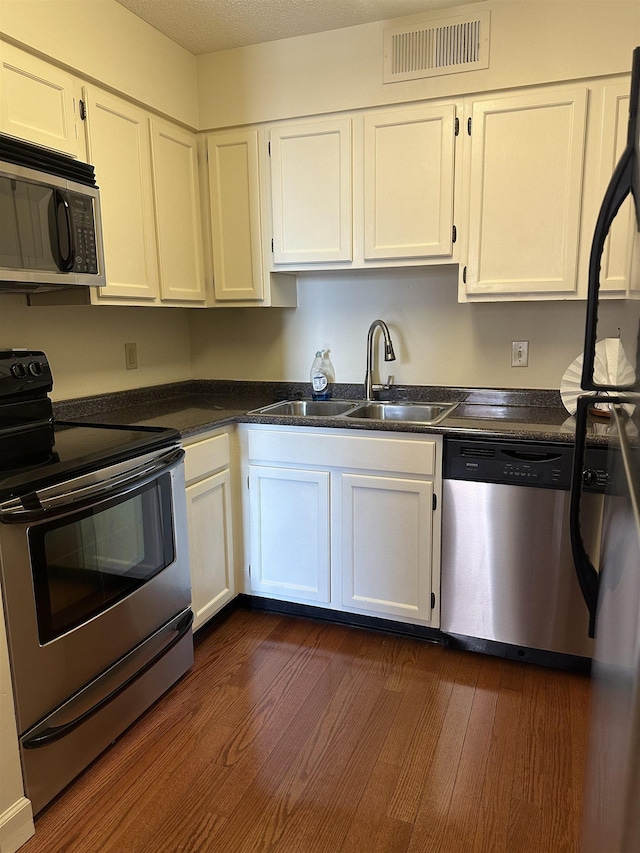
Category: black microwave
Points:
column 50, row 224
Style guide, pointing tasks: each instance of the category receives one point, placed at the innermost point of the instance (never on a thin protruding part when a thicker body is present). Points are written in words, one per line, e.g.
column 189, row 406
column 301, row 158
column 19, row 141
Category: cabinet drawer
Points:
column 205, row 457
column 410, row 455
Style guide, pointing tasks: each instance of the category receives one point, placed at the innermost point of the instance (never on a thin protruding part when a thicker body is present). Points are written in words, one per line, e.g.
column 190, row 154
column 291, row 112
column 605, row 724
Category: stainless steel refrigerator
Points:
column 611, row 822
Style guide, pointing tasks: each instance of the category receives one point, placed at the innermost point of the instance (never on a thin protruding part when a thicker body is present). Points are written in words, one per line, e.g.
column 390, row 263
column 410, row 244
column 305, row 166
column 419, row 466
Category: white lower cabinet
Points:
column 210, row 523
column 345, row 519
column 387, row 545
column 289, row 532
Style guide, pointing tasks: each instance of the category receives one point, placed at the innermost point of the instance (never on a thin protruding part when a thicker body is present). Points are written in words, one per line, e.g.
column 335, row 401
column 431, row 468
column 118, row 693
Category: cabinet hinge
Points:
column 82, row 109
column 464, row 275
column 456, row 127
column 454, row 234
column 435, row 502
column 469, row 126
column 433, row 600
column 272, row 245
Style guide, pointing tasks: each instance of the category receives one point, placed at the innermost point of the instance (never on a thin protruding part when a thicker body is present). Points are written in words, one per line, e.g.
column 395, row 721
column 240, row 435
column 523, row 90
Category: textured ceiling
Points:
column 203, row 26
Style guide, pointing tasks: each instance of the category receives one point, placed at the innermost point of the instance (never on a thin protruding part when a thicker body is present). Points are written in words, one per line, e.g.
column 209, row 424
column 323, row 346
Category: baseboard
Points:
column 16, row 826
column 340, row 617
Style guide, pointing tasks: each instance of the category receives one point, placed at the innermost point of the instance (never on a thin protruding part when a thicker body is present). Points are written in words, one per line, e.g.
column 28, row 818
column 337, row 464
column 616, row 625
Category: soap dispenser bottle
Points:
column 322, row 376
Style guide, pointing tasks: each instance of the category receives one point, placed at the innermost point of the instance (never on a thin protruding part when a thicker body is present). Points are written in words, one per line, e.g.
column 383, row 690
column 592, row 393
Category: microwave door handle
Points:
column 618, row 189
column 64, row 231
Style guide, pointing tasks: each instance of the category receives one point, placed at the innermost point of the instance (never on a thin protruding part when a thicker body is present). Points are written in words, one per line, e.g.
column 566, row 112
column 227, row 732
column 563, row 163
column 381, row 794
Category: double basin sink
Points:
column 394, row 411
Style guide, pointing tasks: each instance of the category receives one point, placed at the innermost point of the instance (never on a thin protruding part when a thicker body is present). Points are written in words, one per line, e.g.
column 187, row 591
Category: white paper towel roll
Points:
column 611, row 367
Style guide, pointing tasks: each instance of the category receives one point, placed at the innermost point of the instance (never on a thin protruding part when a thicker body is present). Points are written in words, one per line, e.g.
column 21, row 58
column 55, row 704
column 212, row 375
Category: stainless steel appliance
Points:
column 611, row 588
column 50, row 224
column 508, row 585
column 94, row 571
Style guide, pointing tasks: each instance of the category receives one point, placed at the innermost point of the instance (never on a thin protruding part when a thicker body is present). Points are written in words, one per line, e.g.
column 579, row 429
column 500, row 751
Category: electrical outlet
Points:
column 131, row 356
column 519, row 353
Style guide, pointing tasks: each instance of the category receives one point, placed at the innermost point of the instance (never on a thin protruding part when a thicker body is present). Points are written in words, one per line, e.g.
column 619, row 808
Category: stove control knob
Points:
column 18, row 370
column 35, row 368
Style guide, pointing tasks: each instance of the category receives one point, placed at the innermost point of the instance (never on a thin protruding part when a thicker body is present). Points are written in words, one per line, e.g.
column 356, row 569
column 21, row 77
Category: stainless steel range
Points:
column 95, row 574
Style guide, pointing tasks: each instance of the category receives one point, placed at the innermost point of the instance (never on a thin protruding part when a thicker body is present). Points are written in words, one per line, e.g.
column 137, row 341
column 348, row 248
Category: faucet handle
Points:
column 389, row 384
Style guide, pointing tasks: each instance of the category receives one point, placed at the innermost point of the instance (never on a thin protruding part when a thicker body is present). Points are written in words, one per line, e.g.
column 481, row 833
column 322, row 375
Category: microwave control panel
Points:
column 82, row 219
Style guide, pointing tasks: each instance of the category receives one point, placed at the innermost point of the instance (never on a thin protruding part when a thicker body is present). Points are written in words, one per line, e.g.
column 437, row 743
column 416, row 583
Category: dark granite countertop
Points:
column 197, row 406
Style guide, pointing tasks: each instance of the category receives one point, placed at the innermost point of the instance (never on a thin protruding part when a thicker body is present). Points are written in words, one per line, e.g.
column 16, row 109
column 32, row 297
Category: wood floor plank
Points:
column 466, row 801
column 492, row 832
column 431, row 670
column 419, row 755
column 273, row 743
column 430, row 832
column 295, row 736
column 309, row 747
column 371, row 811
column 321, row 821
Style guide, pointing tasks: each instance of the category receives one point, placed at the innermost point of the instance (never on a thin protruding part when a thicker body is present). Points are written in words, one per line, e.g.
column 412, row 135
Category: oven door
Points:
column 91, row 568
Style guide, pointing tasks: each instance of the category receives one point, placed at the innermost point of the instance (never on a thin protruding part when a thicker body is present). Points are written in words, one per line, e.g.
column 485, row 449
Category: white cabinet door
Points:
column 615, row 269
column 408, row 182
column 234, row 199
column 177, row 210
column 39, row 102
column 387, row 546
column 119, row 148
column 210, row 545
column 311, row 192
column 525, row 193
column 289, row 512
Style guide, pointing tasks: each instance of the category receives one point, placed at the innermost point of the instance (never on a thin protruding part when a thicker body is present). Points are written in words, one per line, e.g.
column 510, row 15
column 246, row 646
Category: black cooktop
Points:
column 78, row 449
column 36, row 451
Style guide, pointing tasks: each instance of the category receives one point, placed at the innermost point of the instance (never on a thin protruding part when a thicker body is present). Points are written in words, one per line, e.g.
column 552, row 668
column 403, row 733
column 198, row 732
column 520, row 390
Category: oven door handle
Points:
column 36, row 506
column 48, row 732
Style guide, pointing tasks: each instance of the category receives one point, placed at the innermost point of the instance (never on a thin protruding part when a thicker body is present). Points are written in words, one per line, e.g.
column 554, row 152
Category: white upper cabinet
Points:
column 374, row 189
column 408, row 182
column 615, row 270
column 177, row 208
column 119, row 148
column 39, row 102
column 239, row 221
column 234, row 203
column 150, row 205
column 311, row 191
column 524, row 194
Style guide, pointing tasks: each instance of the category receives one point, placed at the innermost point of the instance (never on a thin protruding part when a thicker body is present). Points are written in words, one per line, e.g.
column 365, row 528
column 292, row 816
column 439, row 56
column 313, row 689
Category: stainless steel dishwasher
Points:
column 509, row 586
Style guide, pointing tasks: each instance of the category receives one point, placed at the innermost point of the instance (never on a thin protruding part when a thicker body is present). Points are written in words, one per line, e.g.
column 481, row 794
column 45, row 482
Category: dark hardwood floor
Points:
column 296, row 736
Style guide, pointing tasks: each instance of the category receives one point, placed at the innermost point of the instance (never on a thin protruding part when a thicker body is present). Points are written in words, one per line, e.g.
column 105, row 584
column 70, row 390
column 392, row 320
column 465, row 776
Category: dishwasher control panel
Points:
column 543, row 465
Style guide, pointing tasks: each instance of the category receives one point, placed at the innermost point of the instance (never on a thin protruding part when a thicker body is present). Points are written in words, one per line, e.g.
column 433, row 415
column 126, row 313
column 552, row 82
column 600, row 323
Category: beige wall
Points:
column 532, row 41
column 110, row 45
column 437, row 340
column 85, row 344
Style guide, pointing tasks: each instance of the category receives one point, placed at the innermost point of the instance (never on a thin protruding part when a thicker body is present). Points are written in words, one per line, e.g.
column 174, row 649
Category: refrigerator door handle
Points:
column 620, row 186
column 587, row 574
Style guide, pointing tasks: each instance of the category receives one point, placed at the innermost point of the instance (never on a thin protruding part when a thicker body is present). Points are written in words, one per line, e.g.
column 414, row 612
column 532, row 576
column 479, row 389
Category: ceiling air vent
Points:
column 439, row 47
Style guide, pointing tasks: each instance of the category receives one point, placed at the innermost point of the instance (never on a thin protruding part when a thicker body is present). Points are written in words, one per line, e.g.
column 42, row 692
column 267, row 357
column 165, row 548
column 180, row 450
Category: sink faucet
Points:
column 389, row 355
